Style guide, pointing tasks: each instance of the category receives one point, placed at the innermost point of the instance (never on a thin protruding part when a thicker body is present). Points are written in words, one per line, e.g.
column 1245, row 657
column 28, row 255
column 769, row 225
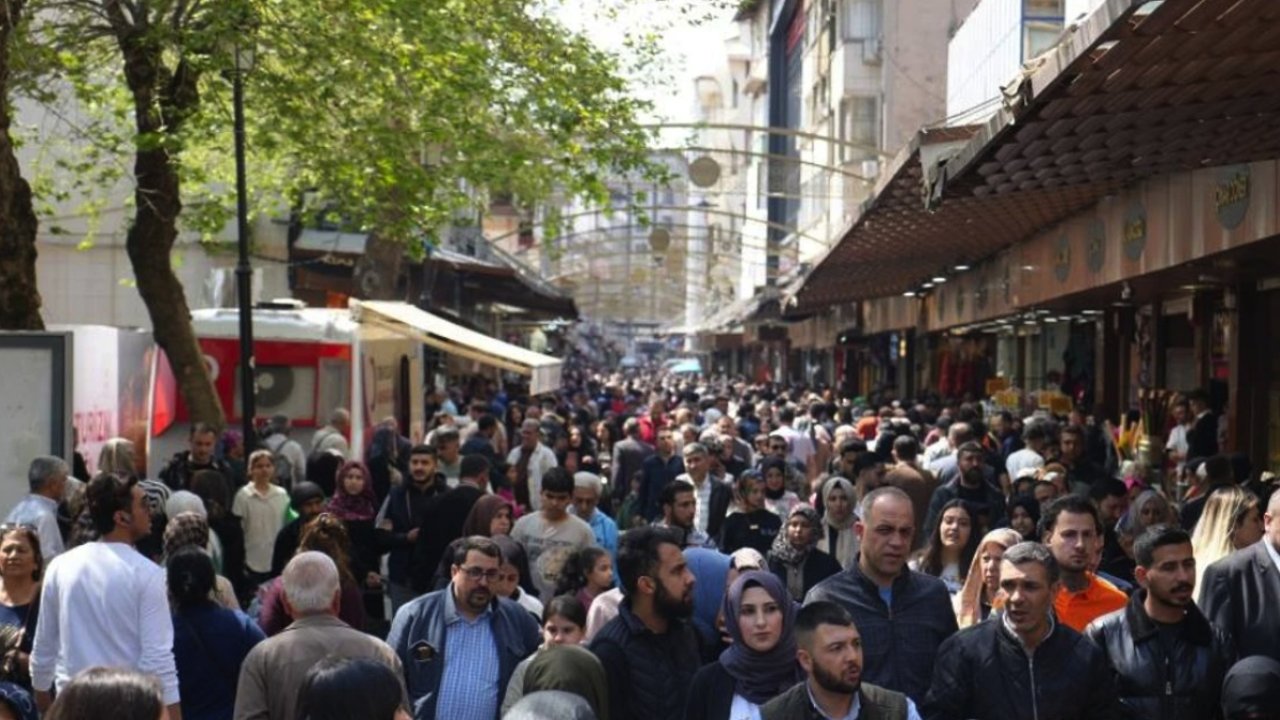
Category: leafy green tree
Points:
column 397, row 112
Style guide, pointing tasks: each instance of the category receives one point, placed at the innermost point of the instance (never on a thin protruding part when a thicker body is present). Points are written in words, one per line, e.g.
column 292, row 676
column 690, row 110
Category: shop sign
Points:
column 1231, row 195
column 1134, row 236
column 1062, row 258
column 1096, row 245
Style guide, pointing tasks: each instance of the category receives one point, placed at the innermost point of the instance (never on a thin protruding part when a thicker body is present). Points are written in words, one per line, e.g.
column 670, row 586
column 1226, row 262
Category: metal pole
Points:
column 244, row 274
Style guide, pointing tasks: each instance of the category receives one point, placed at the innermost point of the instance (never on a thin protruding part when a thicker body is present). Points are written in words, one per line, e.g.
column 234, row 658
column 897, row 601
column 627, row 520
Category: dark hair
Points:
column 577, row 566
column 865, row 462
column 638, row 553
column 1103, row 489
column 200, row 428
column 513, row 553
column 212, row 487
column 109, row 694
column 445, row 436
column 108, row 494
column 338, row 688
column 969, row 448
column 190, row 576
column 1217, row 469
column 1154, row 537
column 822, row 612
column 486, row 422
column 33, row 539
column 1031, row 551
column 422, row 449
column 557, row 480
column 473, row 466
column 1037, row 430
column 478, row 543
column 1074, row 430
column 567, row 607
column 1074, row 504
column 786, row 415
column 931, row 555
column 672, row 489
column 907, row 447
column 854, row 445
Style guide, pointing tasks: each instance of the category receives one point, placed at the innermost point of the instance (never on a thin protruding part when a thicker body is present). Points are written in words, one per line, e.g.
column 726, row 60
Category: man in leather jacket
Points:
column 1170, row 661
column 1022, row 664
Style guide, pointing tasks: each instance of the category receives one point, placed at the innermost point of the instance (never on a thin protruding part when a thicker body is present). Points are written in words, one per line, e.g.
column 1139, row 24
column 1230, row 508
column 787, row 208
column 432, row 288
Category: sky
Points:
column 686, row 49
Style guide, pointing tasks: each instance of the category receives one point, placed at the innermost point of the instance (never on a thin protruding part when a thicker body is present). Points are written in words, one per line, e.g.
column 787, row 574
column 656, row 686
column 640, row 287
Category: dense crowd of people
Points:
column 654, row 547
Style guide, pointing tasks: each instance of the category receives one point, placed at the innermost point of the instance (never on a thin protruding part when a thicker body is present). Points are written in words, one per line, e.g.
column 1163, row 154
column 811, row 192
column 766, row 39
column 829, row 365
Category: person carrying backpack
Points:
column 290, row 461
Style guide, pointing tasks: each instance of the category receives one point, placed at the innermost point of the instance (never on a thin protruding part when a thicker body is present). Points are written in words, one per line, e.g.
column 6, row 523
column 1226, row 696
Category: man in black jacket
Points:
column 1242, row 591
column 1169, row 661
column 1022, row 665
column 443, row 519
column 403, row 514
column 649, row 651
column 902, row 615
column 974, row 487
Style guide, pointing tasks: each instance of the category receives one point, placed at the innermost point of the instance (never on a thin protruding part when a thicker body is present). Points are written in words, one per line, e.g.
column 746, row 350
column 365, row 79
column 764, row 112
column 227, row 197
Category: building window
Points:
column 1042, row 8
column 860, row 125
column 1038, row 37
column 860, row 20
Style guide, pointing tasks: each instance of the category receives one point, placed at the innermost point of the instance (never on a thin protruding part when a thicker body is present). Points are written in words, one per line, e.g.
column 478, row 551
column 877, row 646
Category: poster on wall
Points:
column 35, row 404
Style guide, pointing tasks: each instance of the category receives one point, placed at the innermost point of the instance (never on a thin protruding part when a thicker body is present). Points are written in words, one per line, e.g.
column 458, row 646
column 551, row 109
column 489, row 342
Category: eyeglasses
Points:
column 475, row 573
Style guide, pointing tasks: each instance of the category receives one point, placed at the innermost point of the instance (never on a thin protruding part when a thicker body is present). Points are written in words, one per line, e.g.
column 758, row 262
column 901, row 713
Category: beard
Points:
column 834, row 683
column 671, row 606
column 479, row 599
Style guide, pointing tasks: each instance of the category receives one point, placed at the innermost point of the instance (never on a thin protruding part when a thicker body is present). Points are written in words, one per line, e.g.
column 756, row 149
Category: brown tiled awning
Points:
column 1137, row 89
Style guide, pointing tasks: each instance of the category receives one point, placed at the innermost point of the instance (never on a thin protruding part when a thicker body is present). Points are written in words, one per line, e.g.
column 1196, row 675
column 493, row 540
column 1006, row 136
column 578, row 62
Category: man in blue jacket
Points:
column 460, row 645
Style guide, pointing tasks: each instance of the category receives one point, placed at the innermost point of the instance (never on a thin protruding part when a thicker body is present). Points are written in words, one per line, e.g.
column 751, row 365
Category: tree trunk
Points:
column 19, row 293
column 161, row 99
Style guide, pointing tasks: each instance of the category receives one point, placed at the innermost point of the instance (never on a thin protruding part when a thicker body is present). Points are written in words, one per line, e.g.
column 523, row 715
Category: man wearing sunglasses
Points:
column 460, row 645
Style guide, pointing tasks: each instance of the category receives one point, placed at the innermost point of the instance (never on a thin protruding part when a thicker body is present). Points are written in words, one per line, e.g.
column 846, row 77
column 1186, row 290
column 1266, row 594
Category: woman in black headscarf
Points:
column 760, row 663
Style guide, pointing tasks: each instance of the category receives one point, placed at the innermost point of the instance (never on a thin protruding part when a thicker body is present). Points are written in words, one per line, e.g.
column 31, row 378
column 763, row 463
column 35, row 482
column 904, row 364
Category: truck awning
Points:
column 409, row 321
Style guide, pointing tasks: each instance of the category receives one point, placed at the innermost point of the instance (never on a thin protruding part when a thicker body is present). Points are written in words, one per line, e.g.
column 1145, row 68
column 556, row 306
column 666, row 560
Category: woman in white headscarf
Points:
column 838, row 539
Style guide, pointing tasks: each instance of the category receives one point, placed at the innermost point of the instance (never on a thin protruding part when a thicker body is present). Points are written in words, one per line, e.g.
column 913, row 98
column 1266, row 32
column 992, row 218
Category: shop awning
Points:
column 1136, row 89
column 448, row 337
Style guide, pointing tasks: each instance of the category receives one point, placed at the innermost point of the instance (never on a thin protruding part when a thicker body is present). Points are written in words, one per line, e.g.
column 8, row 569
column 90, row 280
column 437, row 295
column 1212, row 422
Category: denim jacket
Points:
column 418, row 637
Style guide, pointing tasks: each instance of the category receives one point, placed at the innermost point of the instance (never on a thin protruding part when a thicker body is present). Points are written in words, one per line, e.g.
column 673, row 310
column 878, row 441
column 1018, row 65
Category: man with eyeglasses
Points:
column 460, row 645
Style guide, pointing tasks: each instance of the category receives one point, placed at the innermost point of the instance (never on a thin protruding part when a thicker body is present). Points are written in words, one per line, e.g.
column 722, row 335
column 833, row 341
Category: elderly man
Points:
column 275, row 669
column 47, row 481
column 532, row 460
column 334, row 435
column 586, row 497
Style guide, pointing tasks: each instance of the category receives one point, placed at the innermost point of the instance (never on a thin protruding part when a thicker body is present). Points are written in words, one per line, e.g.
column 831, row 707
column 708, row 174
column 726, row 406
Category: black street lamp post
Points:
column 244, row 273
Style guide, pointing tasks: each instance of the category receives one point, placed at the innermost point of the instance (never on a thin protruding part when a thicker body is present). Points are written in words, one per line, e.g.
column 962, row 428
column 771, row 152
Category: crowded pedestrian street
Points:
column 617, row 360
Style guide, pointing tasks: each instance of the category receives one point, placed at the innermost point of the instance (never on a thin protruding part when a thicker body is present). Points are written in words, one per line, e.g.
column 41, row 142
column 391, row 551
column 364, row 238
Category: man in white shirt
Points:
column 801, row 448
column 261, row 506
column 333, row 435
column 712, row 496
column 1176, row 447
column 532, row 460
column 104, row 604
column 1036, row 436
column 47, row 481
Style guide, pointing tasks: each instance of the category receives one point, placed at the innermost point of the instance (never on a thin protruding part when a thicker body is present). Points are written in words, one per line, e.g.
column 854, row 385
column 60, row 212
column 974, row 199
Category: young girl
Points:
column 563, row 623
column 750, row 524
column 586, row 573
column 951, row 548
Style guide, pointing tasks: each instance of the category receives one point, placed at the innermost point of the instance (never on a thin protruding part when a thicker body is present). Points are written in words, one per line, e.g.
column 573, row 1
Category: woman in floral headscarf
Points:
column 191, row 529
column 794, row 557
